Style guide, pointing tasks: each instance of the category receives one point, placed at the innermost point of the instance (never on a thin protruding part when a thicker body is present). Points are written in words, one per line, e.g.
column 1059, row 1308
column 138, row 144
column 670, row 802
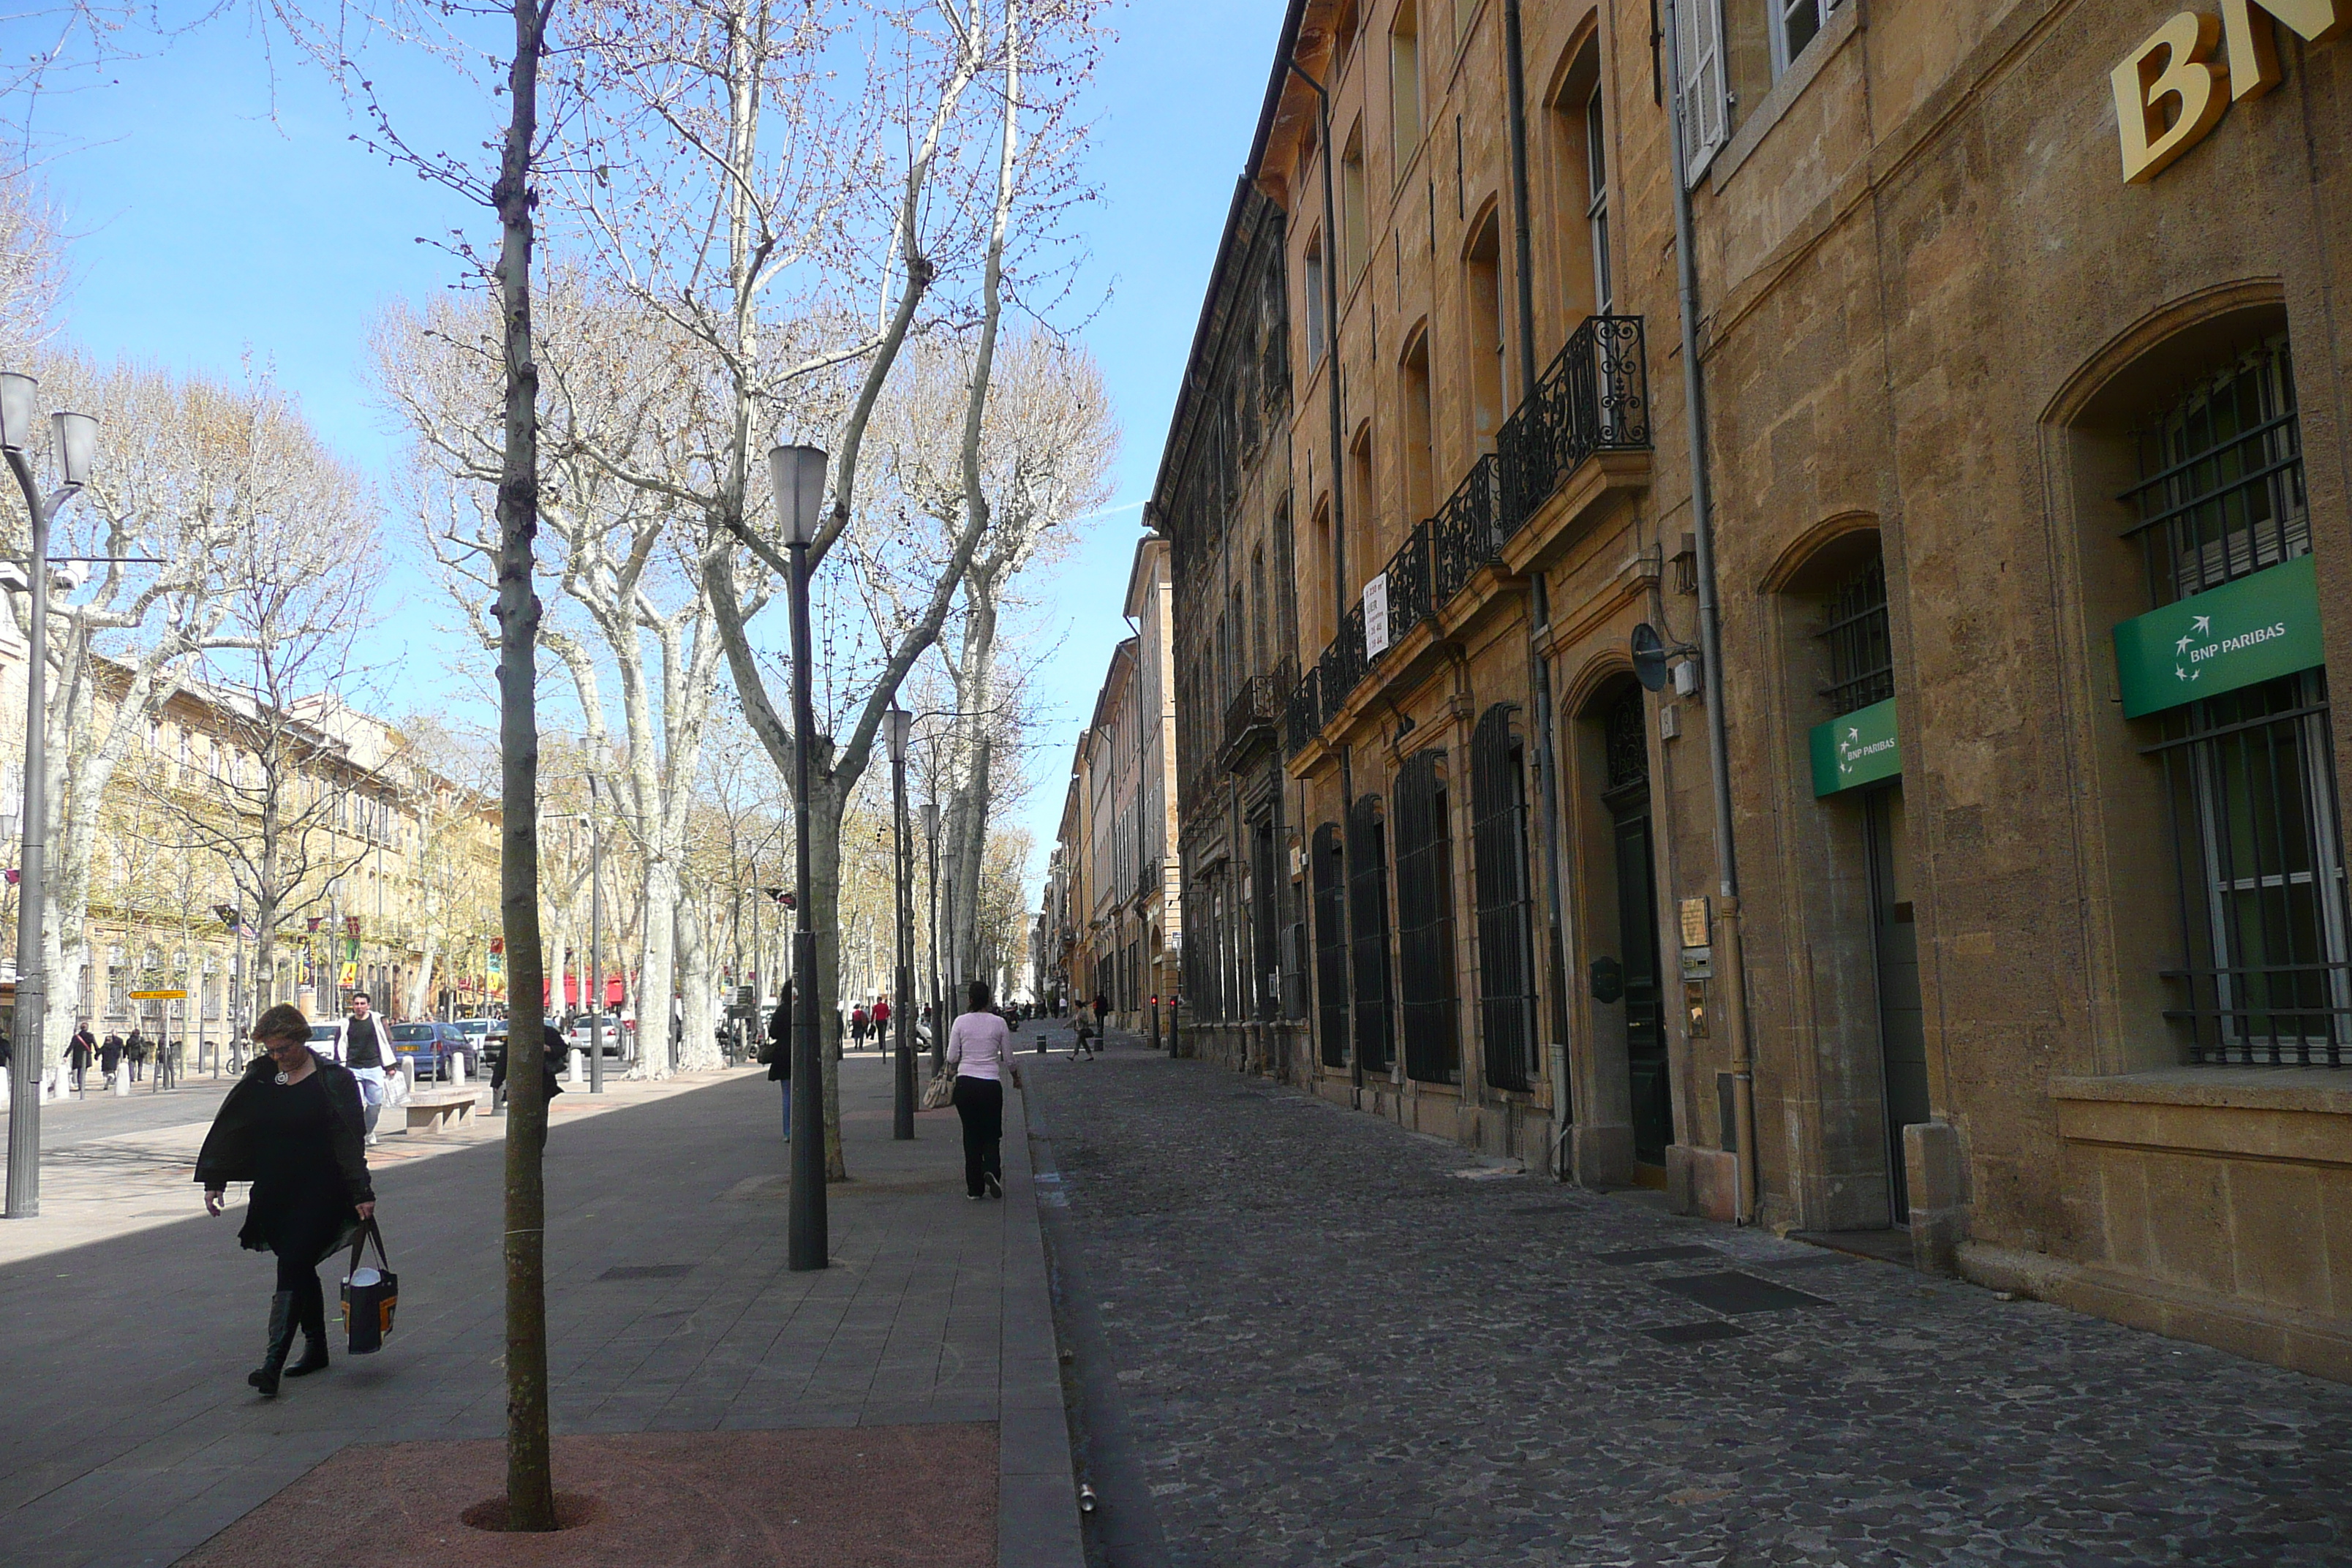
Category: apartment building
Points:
column 2022, row 410
column 1117, row 845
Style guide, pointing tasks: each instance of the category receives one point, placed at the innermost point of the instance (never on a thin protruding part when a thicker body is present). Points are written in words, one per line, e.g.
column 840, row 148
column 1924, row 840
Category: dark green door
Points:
column 1637, row 938
column 1902, row 1022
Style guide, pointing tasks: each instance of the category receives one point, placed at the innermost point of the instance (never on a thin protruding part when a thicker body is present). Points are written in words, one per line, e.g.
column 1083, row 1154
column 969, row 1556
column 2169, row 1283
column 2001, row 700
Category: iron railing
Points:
column 1410, row 601
column 1595, row 396
column 1250, row 721
column 1464, row 535
column 1302, row 717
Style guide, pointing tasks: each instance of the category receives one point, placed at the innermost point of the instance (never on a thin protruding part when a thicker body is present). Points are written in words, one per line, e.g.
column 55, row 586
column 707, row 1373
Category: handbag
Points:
column 941, row 1091
column 370, row 1295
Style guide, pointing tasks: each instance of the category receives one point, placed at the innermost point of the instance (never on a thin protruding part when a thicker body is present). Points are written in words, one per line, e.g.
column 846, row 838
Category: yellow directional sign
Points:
column 159, row 996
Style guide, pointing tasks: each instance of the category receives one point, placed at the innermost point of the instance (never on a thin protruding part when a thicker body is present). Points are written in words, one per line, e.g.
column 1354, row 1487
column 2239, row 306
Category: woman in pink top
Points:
column 978, row 1047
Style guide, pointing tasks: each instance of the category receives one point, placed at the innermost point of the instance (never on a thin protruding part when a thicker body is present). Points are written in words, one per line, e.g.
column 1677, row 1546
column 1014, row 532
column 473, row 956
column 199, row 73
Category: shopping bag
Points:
column 942, row 1093
column 370, row 1295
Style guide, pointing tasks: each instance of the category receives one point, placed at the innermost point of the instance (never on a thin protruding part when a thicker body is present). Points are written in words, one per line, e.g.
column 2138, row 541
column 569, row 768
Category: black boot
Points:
column 313, row 1318
column 281, row 1340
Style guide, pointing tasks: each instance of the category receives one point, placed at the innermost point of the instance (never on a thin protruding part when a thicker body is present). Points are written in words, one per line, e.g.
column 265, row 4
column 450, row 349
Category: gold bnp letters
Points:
column 2170, row 90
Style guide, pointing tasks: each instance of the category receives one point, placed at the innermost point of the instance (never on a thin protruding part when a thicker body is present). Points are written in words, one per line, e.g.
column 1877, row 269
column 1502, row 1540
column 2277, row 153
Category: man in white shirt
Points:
column 367, row 1051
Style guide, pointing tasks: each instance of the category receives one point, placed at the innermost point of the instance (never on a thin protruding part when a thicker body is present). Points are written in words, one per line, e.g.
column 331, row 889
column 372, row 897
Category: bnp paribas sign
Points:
column 1855, row 749
column 2253, row 630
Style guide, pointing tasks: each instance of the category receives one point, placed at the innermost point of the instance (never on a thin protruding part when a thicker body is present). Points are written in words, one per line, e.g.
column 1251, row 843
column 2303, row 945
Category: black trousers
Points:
column 980, row 1103
column 299, row 1239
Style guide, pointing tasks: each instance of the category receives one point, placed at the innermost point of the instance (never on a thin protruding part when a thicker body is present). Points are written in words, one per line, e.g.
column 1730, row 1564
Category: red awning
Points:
column 616, row 989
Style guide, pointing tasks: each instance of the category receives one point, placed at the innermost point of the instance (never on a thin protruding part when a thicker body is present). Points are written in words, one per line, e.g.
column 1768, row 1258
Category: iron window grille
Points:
column 1264, row 913
column 1625, row 734
column 1368, row 932
column 1498, row 843
column 2251, row 802
column 1862, row 654
column 1331, row 947
column 1425, row 875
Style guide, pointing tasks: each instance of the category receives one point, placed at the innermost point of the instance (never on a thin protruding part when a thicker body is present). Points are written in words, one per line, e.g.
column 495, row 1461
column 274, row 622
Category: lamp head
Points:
column 931, row 819
column 77, row 444
column 897, row 725
column 19, row 397
column 797, row 476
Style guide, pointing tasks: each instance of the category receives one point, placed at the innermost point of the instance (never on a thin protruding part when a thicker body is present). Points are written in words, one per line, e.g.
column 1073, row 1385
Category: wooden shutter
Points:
column 1698, row 25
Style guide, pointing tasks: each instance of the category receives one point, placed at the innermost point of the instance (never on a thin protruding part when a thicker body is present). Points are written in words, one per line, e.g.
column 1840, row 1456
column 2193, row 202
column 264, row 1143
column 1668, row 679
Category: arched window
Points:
column 1330, row 948
column 1425, row 874
column 1498, row 840
column 1368, row 932
column 2265, row 960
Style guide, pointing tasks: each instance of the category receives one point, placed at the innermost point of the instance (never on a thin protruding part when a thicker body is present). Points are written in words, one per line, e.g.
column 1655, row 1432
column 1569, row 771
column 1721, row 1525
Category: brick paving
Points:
column 1307, row 1338
column 131, row 1437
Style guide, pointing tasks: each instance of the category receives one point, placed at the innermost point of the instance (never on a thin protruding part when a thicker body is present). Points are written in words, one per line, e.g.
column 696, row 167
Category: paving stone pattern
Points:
column 1327, row 1347
column 132, row 1436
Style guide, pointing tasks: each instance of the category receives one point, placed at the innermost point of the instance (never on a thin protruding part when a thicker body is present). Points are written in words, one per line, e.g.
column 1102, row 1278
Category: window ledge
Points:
column 2323, row 1090
column 1785, row 91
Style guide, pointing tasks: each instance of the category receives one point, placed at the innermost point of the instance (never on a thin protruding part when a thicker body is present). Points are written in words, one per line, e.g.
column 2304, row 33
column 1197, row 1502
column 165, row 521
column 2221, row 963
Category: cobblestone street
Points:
column 1308, row 1337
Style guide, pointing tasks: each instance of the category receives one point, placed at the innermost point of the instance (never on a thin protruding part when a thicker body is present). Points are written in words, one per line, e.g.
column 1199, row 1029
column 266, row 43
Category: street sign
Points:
column 159, row 996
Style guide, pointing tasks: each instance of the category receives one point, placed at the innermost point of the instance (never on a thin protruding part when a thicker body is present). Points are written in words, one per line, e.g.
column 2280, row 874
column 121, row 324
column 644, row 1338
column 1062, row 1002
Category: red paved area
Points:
column 843, row 1497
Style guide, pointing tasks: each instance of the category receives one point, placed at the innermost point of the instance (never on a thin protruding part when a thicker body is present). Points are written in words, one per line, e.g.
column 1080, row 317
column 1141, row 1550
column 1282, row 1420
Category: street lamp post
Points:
column 898, row 724
column 939, row 1004
column 797, row 476
column 75, row 440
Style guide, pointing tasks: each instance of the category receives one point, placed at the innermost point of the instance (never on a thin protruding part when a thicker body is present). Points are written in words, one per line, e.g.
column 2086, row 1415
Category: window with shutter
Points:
column 1707, row 118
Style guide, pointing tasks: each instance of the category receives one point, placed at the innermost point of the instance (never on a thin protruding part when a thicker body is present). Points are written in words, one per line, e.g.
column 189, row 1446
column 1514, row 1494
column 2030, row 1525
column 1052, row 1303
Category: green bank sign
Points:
column 2254, row 629
column 1856, row 748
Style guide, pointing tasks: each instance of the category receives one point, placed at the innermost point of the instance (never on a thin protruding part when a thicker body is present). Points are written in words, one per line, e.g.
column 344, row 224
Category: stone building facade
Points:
column 2023, row 411
column 1115, row 856
column 391, row 870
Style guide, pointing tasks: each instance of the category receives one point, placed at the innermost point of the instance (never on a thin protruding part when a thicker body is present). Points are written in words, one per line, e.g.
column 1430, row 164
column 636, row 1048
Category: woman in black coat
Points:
column 292, row 1127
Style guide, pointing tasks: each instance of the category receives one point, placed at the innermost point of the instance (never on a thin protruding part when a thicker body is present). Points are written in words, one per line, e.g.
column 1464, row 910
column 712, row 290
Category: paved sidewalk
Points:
column 110, row 1166
column 132, row 1437
column 1310, row 1338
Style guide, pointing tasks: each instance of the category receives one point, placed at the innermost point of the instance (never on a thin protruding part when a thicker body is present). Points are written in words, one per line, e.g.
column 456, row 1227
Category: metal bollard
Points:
column 458, row 1068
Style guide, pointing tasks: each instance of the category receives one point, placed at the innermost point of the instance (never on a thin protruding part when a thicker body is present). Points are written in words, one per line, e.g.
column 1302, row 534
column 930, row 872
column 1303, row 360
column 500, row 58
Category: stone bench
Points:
column 433, row 1109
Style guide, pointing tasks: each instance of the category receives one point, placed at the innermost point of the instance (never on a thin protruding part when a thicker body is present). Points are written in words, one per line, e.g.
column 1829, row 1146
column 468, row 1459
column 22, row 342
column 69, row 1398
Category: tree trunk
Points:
column 658, row 977
column 697, row 1047
column 531, row 1483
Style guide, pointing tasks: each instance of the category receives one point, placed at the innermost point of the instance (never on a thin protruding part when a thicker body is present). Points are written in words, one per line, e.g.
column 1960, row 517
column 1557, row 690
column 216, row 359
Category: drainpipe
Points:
column 1726, row 935
column 1537, row 613
column 1338, row 530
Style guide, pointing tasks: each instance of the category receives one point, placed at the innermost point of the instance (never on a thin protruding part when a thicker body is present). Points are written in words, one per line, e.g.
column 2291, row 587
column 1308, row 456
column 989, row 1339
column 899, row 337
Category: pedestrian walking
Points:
column 110, row 1055
column 780, row 1053
column 78, row 1051
column 293, row 1126
column 978, row 1047
column 858, row 1025
column 138, row 1042
column 367, row 1051
column 550, row 1082
column 138, row 1058
column 881, row 1023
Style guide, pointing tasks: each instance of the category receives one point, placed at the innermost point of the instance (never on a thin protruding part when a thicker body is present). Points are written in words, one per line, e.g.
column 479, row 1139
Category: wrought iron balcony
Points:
column 1302, row 717
column 1250, row 720
column 1594, row 397
column 1465, row 534
column 1409, row 584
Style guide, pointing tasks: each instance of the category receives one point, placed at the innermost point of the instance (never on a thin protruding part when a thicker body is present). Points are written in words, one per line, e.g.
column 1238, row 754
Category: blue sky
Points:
column 220, row 212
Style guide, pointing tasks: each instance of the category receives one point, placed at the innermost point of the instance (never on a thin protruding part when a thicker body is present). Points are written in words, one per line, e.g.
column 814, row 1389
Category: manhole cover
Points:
column 647, row 1271
column 1655, row 1254
column 1696, row 1333
column 1735, row 1293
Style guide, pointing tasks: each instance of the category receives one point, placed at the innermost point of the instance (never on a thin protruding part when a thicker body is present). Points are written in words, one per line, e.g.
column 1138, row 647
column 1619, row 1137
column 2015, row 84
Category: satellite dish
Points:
column 1649, row 657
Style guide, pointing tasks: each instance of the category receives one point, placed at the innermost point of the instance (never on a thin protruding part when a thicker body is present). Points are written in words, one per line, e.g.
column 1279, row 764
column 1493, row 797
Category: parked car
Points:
column 478, row 1032
column 429, row 1048
column 326, row 1039
column 614, row 1030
